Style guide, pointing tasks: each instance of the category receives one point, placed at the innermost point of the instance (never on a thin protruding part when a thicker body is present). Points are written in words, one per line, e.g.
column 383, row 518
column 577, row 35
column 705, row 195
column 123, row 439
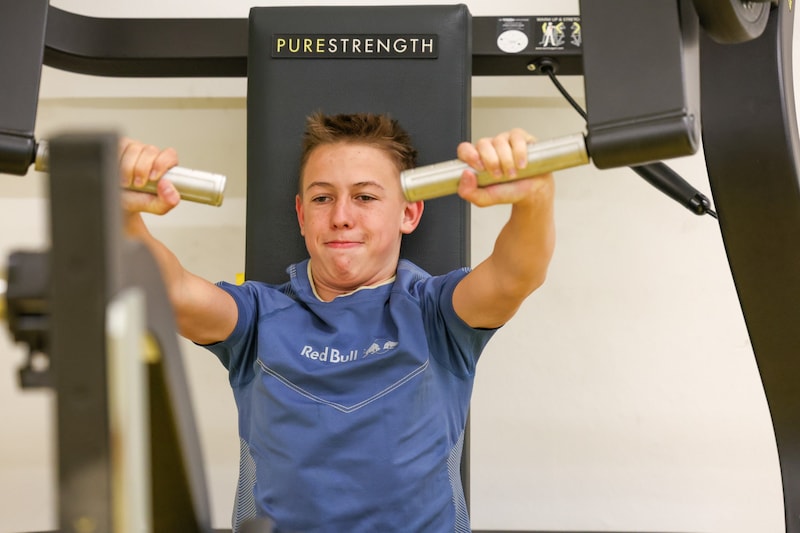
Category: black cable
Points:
column 657, row 174
column 550, row 71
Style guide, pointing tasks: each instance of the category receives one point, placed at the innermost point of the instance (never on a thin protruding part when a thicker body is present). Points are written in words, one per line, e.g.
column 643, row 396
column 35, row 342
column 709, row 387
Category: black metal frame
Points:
column 83, row 268
column 23, row 35
column 750, row 140
column 174, row 48
column 217, row 47
column 634, row 118
column 90, row 263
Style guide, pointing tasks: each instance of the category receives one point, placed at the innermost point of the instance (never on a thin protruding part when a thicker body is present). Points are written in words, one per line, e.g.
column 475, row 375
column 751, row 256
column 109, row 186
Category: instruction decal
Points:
column 558, row 33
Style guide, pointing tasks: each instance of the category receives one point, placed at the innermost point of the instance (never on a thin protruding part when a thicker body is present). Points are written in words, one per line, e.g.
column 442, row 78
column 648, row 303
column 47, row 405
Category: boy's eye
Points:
column 321, row 199
column 365, row 197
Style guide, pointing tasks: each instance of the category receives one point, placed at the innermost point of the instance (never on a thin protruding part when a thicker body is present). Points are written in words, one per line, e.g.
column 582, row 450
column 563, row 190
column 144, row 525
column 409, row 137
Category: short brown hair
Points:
column 377, row 130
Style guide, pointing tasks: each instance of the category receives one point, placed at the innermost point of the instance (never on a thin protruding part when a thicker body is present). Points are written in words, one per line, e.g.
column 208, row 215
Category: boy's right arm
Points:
column 204, row 313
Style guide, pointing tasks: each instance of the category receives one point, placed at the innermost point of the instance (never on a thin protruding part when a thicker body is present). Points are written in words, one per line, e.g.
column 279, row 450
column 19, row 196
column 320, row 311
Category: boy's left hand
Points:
column 502, row 155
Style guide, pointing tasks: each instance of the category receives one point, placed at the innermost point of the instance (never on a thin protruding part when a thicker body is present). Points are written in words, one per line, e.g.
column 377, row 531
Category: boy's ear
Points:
column 411, row 216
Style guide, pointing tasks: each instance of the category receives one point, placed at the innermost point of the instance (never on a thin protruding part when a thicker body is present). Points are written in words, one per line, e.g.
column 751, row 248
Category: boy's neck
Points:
column 327, row 295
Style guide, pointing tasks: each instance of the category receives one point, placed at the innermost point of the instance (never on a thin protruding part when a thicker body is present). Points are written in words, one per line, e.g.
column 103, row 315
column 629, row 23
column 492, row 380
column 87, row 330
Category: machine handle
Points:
column 193, row 185
column 441, row 179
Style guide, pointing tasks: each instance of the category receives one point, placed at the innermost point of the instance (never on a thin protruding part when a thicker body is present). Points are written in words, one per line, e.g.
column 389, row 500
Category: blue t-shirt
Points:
column 352, row 412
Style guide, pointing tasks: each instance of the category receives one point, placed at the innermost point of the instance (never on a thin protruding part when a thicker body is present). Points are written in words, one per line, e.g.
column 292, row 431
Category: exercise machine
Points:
column 700, row 74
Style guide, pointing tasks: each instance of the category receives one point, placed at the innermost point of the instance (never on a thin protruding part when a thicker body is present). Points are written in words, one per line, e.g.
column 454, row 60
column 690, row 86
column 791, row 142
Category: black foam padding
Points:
column 430, row 97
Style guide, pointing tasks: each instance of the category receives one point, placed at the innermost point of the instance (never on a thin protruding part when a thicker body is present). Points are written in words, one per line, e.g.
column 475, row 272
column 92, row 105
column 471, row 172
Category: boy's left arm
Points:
column 491, row 294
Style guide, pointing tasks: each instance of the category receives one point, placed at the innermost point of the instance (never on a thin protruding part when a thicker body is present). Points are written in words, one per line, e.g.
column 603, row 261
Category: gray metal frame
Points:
column 90, row 263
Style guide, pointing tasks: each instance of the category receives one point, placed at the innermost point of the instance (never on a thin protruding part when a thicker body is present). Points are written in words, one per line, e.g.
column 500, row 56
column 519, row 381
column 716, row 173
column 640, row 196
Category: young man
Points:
column 353, row 380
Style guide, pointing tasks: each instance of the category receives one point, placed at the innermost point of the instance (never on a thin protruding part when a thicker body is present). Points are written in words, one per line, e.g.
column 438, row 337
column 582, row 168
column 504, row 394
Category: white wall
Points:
column 590, row 412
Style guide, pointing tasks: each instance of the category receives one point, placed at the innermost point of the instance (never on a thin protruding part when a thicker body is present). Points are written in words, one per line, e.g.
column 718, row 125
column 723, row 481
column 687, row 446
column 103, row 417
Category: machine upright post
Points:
column 85, row 269
column 750, row 139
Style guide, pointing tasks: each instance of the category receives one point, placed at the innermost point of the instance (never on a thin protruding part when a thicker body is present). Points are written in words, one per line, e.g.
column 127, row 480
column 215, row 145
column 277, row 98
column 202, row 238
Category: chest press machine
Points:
column 751, row 156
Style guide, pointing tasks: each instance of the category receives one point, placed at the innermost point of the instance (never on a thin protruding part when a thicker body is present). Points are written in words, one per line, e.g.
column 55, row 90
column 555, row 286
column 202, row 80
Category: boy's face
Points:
column 352, row 214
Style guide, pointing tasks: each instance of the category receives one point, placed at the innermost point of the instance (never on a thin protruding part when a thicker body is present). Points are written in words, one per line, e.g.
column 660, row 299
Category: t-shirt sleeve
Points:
column 454, row 343
column 237, row 352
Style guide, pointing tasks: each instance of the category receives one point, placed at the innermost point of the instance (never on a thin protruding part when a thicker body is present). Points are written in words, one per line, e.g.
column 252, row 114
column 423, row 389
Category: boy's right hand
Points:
column 140, row 163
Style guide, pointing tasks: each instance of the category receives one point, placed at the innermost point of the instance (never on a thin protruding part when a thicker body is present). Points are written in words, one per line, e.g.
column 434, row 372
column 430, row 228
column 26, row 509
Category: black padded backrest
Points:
column 429, row 94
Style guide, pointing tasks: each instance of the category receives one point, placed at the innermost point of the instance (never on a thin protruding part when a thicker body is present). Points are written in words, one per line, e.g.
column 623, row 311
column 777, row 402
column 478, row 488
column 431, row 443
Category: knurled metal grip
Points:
column 441, row 179
column 192, row 185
